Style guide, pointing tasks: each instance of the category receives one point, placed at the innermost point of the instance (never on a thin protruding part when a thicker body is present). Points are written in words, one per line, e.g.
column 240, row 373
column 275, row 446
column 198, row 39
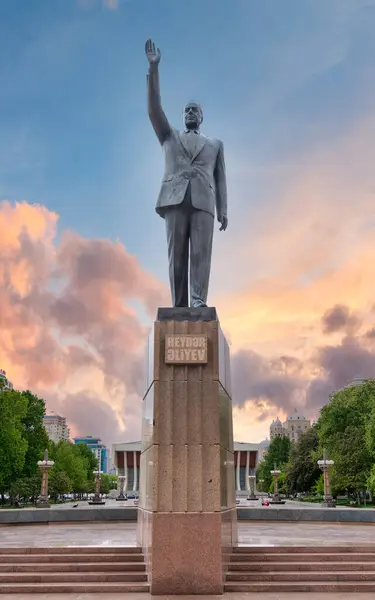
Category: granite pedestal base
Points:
column 187, row 554
column 187, row 519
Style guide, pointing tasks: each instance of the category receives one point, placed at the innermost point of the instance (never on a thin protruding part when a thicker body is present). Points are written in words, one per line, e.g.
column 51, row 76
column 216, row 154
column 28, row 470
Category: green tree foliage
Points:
column 278, row 453
column 302, row 471
column 318, row 487
column 34, row 433
column 27, row 489
column 59, row 484
column 91, row 461
column 13, row 445
column 371, row 481
column 70, row 462
column 106, row 484
column 346, row 428
column 281, row 485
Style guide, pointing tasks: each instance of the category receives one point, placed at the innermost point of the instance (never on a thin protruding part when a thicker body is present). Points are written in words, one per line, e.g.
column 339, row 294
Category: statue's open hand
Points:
column 223, row 220
column 153, row 55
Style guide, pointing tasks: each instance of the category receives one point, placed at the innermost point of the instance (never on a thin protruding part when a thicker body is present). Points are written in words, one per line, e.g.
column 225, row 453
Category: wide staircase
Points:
column 64, row 570
column 302, row 569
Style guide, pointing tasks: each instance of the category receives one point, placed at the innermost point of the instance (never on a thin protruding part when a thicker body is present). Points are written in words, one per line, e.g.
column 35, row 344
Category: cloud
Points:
column 111, row 4
column 108, row 4
column 309, row 274
column 339, row 318
column 69, row 331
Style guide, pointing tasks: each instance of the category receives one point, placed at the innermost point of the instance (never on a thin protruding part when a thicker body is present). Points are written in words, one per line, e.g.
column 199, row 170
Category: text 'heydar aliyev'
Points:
column 185, row 349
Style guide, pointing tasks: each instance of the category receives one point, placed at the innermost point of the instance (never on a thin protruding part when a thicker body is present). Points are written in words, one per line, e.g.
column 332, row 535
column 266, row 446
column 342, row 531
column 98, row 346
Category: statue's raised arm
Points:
column 155, row 112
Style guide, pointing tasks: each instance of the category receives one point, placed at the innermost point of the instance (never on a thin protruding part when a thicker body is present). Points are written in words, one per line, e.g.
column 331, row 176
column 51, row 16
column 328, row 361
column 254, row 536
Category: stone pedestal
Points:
column 187, row 509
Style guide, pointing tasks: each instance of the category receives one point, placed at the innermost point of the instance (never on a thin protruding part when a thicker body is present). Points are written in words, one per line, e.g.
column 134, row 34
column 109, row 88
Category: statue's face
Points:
column 193, row 115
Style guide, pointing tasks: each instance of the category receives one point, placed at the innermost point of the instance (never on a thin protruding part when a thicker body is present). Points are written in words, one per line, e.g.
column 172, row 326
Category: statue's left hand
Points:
column 223, row 220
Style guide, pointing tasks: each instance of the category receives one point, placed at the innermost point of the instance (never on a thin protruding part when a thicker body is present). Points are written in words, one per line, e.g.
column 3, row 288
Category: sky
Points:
column 289, row 87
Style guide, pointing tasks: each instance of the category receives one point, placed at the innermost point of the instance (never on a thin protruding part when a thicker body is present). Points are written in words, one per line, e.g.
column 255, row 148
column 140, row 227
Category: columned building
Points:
column 126, row 460
column 246, row 458
column 127, row 456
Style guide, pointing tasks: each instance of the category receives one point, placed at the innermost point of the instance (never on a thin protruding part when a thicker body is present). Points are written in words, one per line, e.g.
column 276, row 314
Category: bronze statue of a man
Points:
column 194, row 182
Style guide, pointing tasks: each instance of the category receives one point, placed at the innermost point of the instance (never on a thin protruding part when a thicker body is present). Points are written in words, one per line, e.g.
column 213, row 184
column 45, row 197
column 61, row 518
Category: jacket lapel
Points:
column 199, row 146
column 200, row 142
column 181, row 137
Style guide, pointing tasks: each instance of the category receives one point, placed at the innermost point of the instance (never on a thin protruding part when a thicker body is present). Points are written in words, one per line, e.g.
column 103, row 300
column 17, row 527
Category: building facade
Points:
column 127, row 459
column 56, row 427
column 97, row 448
column 292, row 428
column 5, row 383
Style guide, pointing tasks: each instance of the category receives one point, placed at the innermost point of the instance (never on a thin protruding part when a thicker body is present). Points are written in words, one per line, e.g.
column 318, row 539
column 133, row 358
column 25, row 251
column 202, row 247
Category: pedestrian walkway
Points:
column 232, row 596
column 249, row 534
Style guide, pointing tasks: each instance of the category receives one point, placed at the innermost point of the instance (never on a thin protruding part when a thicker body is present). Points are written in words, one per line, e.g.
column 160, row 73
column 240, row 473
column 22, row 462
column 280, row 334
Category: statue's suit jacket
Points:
column 203, row 168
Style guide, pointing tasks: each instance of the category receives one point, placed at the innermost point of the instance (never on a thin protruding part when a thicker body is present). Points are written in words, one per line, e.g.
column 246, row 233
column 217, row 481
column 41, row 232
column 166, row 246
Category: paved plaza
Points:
column 249, row 533
column 230, row 596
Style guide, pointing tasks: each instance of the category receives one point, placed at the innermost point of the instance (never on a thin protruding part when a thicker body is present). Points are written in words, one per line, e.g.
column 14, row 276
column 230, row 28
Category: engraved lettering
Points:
column 185, row 349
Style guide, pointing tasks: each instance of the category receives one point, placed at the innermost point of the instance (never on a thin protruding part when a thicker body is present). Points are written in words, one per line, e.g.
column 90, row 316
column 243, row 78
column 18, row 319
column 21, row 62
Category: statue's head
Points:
column 193, row 115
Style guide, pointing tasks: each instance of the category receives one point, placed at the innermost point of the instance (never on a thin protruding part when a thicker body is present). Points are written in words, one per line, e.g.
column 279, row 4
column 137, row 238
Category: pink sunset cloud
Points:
column 68, row 331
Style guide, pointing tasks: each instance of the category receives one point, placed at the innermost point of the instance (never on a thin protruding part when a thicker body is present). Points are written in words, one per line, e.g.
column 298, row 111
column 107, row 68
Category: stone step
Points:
column 301, row 576
column 300, row 586
column 295, row 567
column 73, row 588
column 56, row 558
column 306, row 557
column 369, row 548
column 81, row 567
column 71, row 577
column 73, row 550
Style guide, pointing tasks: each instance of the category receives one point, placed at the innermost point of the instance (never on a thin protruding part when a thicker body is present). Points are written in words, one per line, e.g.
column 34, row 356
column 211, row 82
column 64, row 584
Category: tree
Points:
column 302, row 470
column 105, row 484
column 344, row 428
column 59, row 483
column 277, row 454
column 27, row 488
column 84, row 451
column 34, row 432
column 70, row 462
column 13, row 445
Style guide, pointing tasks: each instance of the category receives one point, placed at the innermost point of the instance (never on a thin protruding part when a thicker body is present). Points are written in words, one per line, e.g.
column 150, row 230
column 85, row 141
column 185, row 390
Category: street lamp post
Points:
column 122, row 485
column 44, row 465
column 276, row 496
column 325, row 465
column 252, row 496
column 97, row 497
